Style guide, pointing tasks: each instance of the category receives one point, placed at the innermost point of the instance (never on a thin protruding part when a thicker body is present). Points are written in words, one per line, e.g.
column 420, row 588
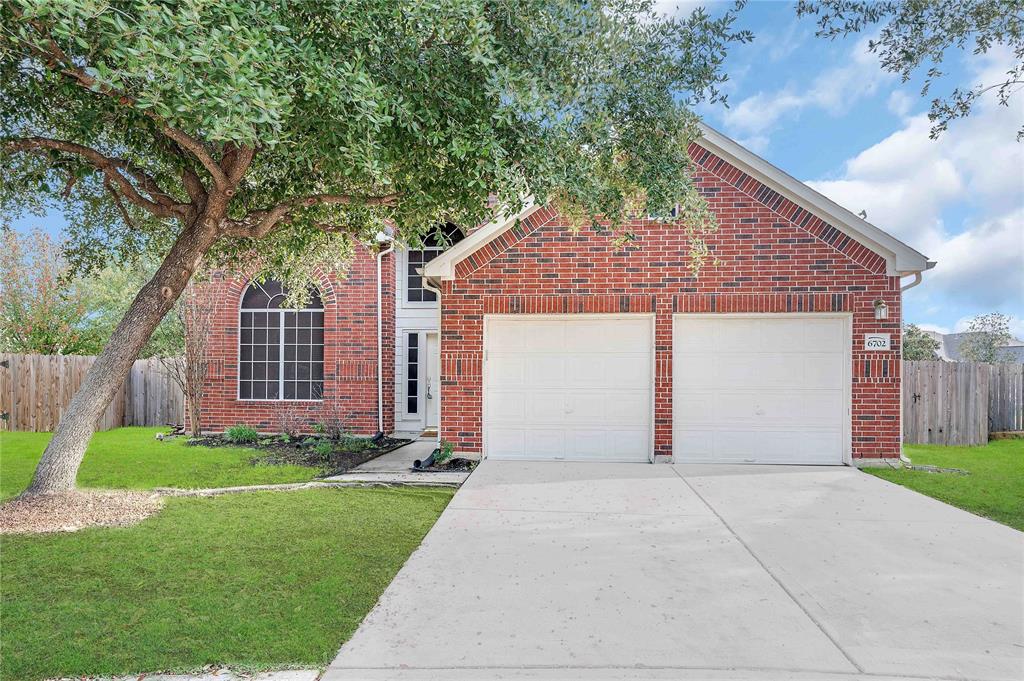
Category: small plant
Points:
column 319, row 428
column 290, row 421
column 323, row 448
column 444, row 452
column 241, row 434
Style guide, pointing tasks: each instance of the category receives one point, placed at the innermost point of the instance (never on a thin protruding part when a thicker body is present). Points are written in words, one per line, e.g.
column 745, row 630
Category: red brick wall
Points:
column 773, row 257
column 350, row 353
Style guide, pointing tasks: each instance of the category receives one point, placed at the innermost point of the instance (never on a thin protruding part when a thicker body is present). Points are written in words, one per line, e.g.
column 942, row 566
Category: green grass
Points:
column 994, row 488
column 253, row 581
column 132, row 458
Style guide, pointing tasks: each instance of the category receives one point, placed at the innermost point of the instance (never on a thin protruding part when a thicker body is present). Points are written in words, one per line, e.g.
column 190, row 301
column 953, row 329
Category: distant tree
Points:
column 988, row 336
column 918, row 345
column 39, row 312
column 914, row 34
column 106, row 295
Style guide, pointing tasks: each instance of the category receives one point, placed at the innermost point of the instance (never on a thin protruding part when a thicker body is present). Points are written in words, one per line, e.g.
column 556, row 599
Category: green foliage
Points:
column 190, row 587
column 323, row 447
column 911, row 35
column 410, row 113
column 241, row 434
column 917, row 345
column 994, row 487
column 988, row 334
column 39, row 313
column 106, row 295
column 132, row 458
column 444, row 452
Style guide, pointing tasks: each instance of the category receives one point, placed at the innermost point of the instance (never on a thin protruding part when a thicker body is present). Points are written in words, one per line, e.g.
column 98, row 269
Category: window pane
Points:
column 289, row 390
column 245, row 390
column 411, row 405
column 272, row 390
column 429, row 295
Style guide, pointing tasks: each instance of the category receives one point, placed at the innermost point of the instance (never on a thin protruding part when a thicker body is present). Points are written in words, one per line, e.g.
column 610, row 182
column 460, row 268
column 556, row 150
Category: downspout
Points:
column 429, row 285
column 381, row 237
column 904, row 459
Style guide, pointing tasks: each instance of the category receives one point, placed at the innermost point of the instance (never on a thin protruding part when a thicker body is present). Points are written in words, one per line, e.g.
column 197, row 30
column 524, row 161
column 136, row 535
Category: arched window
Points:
column 280, row 351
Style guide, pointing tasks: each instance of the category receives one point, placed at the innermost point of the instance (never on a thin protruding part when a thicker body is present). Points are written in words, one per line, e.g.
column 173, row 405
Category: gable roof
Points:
column 900, row 258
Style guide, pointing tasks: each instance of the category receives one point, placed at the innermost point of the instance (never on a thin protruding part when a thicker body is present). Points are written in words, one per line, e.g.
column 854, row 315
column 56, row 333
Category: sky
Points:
column 826, row 113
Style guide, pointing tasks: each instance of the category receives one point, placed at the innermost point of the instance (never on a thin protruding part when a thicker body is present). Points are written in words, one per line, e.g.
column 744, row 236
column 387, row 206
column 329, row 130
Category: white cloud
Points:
column 900, row 102
column 834, row 91
column 907, row 181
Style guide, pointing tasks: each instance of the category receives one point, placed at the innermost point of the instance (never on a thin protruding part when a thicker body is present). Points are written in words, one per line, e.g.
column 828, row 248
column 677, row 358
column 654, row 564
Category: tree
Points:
column 914, row 34
column 987, row 335
column 918, row 345
column 39, row 313
column 194, row 317
column 271, row 136
column 106, row 295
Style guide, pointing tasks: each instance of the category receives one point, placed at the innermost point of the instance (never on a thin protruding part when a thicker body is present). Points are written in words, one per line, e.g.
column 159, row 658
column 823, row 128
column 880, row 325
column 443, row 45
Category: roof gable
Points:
column 763, row 182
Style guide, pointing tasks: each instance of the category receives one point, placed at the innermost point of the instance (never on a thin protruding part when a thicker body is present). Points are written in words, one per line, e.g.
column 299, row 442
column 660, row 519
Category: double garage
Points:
column 745, row 388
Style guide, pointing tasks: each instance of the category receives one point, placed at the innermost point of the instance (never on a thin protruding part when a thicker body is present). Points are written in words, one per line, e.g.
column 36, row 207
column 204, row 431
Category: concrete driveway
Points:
column 630, row 571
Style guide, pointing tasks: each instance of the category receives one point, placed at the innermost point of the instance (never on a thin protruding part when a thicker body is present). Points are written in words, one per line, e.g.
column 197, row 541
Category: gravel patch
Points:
column 72, row 511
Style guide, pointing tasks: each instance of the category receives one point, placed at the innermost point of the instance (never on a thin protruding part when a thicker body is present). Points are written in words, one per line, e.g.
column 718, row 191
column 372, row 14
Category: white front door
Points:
column 761, row 388
column 573, row 387
column 432, row 376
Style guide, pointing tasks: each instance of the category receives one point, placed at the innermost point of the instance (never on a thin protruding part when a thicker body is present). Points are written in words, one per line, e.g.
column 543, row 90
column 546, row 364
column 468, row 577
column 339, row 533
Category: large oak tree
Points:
column 275, row 135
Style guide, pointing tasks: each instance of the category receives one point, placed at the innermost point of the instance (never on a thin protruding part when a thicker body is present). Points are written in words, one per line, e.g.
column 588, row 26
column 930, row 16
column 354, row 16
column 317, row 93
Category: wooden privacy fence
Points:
column 959, row 403
column 35, row 390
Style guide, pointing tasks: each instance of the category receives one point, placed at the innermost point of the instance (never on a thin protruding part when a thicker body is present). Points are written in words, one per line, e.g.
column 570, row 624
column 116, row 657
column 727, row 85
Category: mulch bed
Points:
column 456, row 464
column 71, row 511
column 344, row 456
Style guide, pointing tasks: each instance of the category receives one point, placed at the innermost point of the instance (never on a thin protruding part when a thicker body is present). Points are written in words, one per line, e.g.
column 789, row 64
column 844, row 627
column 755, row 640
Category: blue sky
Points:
column 826, row 113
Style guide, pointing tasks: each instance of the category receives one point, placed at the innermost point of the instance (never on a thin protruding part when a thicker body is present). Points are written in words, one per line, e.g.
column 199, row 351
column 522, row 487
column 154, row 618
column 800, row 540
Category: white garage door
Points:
column 760, row 389
column 573, row 388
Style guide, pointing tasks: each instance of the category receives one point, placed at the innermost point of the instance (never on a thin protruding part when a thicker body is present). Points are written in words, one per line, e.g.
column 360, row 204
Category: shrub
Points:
column 323, row 448
column 444, row 452
column 241, row 434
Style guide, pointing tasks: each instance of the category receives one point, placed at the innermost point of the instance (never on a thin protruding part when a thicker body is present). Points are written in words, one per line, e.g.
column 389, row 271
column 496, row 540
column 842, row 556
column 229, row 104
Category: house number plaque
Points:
column 877, row 341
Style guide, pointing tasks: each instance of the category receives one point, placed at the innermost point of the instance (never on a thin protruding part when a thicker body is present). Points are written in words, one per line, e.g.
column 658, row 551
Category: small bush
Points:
column 241, row 434
column 444, row 452
column 323, row 448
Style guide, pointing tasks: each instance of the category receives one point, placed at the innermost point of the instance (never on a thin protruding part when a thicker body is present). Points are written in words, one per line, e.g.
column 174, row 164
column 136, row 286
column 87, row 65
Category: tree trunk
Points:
column 58, row 468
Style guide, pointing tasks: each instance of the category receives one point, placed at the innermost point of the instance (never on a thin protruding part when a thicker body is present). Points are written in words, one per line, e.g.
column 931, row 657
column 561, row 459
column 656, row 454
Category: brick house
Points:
column 528, row 340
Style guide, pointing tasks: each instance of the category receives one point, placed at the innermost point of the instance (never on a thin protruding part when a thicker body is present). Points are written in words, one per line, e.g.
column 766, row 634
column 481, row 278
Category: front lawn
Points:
column 132, row 458
column 255, row 580
column 994, row 488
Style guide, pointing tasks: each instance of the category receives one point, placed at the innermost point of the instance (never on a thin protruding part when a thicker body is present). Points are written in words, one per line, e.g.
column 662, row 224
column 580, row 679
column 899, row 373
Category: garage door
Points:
column 574, row 388
column 760, row 389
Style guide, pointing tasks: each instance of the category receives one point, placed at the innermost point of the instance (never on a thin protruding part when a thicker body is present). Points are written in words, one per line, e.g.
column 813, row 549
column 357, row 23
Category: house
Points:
column 949, row 347
column 528, row 340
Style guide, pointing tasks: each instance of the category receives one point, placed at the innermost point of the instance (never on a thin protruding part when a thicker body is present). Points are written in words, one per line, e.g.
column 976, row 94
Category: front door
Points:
column 430, row 395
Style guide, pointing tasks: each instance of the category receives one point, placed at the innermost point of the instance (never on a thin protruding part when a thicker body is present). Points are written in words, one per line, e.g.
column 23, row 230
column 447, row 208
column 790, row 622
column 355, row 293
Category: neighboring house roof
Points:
column 949, row 346
column 900, row 258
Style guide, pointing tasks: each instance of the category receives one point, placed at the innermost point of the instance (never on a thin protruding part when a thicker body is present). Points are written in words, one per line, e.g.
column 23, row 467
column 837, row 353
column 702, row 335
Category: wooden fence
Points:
column 959, row 403
column 35, row 390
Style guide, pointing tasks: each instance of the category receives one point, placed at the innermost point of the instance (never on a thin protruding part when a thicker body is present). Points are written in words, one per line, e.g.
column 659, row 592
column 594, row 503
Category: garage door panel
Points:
column 544, row 371
column 824, row 370
column 769, row 389
column 574, row 388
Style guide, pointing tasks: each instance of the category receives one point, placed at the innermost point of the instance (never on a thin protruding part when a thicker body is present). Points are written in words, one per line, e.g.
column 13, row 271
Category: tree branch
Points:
column 111, row 168
column 259, row 223
column 58, row 60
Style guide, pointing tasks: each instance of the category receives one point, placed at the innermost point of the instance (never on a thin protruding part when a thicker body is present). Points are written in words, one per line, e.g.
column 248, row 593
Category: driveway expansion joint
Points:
column 772, row 574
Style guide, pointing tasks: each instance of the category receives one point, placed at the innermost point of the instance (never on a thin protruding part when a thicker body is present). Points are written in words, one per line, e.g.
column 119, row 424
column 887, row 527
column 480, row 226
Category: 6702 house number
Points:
column 877, row 341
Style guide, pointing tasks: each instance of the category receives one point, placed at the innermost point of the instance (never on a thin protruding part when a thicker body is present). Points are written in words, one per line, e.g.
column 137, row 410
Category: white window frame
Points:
column 280, row 359
column 403, row 287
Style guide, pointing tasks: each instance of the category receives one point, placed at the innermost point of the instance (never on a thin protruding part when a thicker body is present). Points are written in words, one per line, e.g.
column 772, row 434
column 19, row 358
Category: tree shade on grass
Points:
column 994, row 488
column 132, row 458
column 253, row 581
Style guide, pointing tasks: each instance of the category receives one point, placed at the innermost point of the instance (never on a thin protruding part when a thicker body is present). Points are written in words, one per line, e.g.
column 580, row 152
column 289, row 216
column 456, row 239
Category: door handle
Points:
column 429, row 396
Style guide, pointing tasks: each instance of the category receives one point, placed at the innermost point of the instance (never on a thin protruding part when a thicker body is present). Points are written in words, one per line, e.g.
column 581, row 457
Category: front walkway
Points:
column 609, row 571
column 396, row 468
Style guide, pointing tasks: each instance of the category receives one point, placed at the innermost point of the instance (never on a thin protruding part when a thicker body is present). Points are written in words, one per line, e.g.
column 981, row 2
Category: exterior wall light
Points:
column 881, row 309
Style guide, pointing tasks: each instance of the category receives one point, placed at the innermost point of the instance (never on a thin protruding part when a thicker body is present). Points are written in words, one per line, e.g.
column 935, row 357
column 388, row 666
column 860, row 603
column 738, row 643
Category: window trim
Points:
column 405, row 374
column 280, row 371
column 403, row 274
